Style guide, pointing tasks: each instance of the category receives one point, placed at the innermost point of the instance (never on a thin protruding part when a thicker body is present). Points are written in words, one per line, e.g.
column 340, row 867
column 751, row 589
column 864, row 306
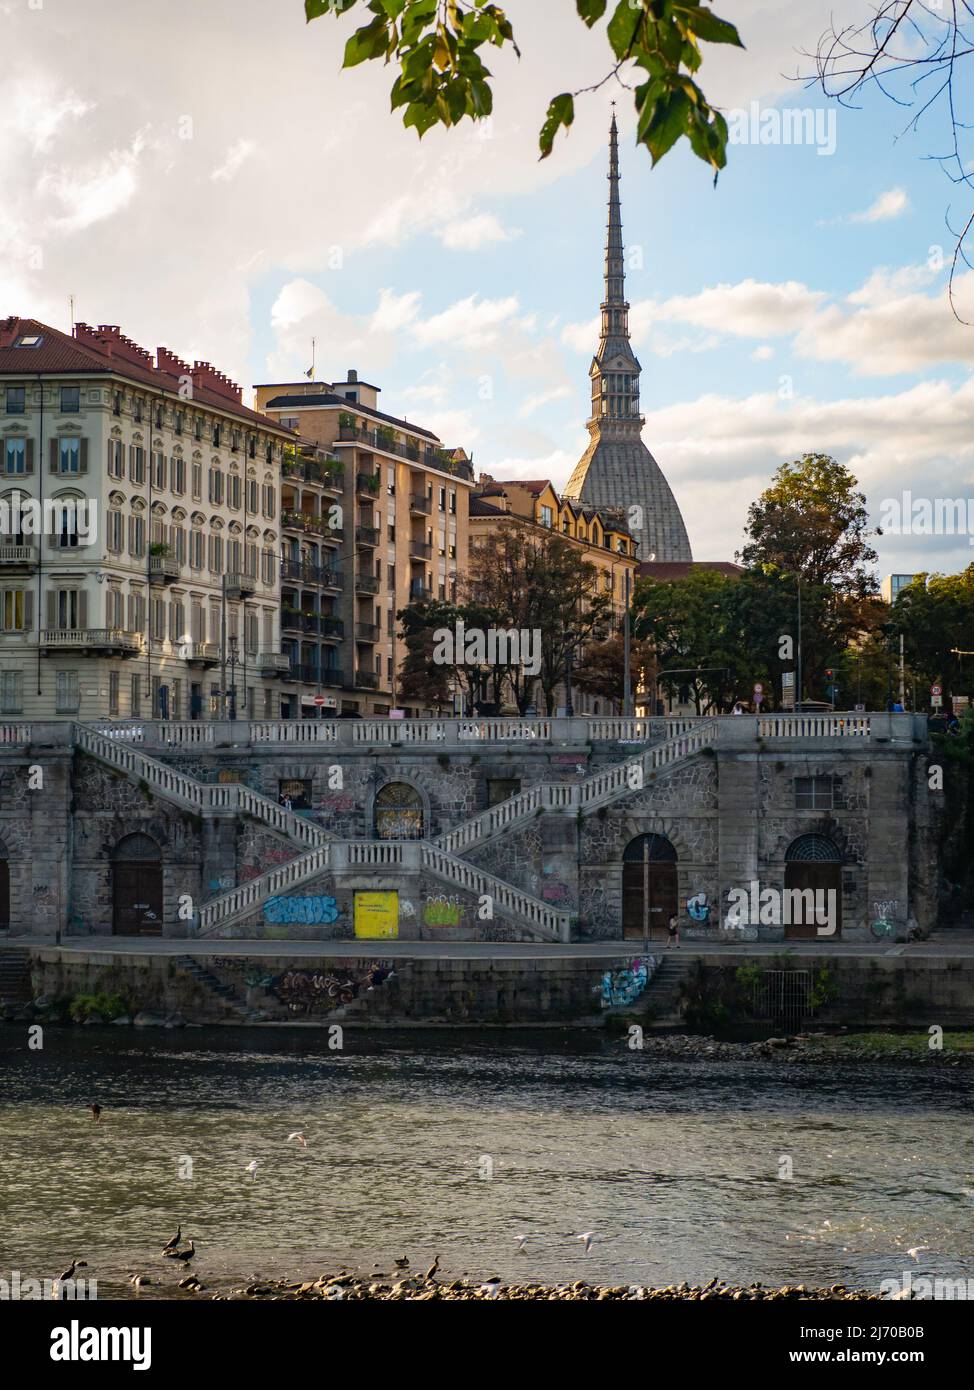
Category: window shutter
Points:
column 28, row 609
column 29, row 461
column 51, row 608
column 83, row 460
column 82, row 609
column 54, row 456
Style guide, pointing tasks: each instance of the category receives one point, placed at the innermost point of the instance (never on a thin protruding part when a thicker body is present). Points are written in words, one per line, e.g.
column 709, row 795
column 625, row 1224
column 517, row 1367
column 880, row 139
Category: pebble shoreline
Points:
column 385, row 1288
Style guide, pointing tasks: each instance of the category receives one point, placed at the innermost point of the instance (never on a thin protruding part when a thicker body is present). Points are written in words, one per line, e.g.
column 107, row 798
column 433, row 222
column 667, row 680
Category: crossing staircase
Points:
column 440, row 857
column 15, row 985
column 189, row 794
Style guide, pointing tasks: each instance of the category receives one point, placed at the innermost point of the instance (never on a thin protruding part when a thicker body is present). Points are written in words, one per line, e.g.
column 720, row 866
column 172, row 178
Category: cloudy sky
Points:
column 205, row 176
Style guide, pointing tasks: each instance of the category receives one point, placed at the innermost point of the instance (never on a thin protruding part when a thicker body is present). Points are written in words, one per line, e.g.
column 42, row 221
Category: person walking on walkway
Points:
column 673, row 928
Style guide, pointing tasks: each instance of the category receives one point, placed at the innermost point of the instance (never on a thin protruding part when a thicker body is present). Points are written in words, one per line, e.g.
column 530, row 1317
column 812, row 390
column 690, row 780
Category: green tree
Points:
column 602, row 667
column 935, row 614
column 810, row 527
column 654, row 50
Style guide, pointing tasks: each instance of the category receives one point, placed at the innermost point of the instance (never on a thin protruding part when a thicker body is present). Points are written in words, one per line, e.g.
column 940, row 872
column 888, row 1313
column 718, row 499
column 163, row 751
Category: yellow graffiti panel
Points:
column 377, row 915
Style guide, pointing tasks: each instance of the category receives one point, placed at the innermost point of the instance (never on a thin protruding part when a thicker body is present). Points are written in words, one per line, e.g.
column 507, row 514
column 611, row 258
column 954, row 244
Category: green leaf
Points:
column 561, row 112
column 623, row 28
column 706, row 25
column 368, row 42
column 669, row 121
column 591, row 11
column 314, row 9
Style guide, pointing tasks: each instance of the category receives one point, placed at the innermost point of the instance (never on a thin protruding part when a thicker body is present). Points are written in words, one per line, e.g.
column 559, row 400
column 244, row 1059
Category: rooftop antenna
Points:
column 310, row 373
column 71, row 305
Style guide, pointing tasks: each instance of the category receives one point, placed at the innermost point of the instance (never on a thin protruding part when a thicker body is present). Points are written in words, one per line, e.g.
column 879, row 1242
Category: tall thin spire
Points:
column 615, row 267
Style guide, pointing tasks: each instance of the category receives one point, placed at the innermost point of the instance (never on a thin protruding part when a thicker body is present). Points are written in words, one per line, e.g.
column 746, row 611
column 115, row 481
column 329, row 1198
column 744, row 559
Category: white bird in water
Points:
column 298, row 1137
column 914, row 1254
column 251, row 1168
column 491, row 1288
column 522, row 1243
column 586, row 1238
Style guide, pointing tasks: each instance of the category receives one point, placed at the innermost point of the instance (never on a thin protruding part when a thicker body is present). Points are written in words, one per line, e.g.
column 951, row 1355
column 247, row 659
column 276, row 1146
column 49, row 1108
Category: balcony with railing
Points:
column 366, row 632
column 163, row 569
column 273, row 664
column 17, row 555
column 107, row 639
column 366, row 584
column 367, row 484
column 240, row 586
column 328, row 473
column 331, row 628
column 367, row 680
column 421, row 506
column 384, row 439
column 420, row 550
column 329, row 677
column 367, row 535
column 418, row 590
column 304, row 522
column 201, row 653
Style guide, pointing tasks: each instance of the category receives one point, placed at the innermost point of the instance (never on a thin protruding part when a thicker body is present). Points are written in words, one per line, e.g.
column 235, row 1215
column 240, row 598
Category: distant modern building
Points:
column 617, row 470
column 384, row 524
column 893, row 583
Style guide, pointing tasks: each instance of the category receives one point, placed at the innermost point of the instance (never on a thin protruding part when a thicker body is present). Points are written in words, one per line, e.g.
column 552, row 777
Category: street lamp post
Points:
column 232, row 662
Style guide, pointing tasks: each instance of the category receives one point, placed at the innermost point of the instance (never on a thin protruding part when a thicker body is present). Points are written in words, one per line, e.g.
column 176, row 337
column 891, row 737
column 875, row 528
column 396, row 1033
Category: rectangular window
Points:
column 442, row 499
column 116, row 524
column 177, row 422
column 178, row 474
column 159, row 471
column 135, row 696
column 814, row 793
column 197, row 482
column 12, row 610
column 268, row 500
column 16, row 400
column 69, row 454
column 216, row 487
column 68, row 698
column 252, row 495
column 113, row 683
column 71, row 399
column 15, row 456
column 116, row 459
column 114, row 609
column 198, row 427
column 233, row 491
column 136, row 463
column 11, row 692
column 546, row 517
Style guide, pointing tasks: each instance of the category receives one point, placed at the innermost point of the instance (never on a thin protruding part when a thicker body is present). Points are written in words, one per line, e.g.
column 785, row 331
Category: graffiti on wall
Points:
column 304, row 991
column 554, row 892
column 625, row 985
column 315, row 910
column 698, row 908
column 441, row 911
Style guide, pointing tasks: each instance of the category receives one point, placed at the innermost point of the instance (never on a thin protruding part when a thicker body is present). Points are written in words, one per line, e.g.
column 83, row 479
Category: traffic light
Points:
column 829, row 674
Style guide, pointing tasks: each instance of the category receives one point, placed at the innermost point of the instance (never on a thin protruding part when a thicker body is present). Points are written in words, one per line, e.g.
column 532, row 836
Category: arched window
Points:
column 812, row 849
column 398, row 812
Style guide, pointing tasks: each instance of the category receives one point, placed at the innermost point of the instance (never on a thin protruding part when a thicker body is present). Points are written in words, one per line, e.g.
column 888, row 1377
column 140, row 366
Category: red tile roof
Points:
column 107, row 349
column 668, row 570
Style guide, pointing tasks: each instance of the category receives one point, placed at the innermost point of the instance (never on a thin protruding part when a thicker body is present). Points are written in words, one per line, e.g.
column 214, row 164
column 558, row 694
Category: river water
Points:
column 457, row 1144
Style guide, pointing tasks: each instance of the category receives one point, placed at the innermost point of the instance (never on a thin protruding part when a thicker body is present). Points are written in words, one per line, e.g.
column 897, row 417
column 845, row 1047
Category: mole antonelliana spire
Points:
column 617, row 471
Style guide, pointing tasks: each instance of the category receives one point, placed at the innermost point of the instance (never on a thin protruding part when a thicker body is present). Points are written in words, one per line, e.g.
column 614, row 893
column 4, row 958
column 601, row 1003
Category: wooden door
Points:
column 821, row 879
column 137, row 899
column 662, row 884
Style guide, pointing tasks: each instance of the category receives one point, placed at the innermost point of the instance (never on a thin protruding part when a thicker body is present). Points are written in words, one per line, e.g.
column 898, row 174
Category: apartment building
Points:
column 599, row 536
column 140, row 560
column 391, row 528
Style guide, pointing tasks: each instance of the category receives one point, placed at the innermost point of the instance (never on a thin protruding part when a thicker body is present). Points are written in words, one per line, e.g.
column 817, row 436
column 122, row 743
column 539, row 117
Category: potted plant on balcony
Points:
column 346, row 420
column 160, row 548
column 384, row 436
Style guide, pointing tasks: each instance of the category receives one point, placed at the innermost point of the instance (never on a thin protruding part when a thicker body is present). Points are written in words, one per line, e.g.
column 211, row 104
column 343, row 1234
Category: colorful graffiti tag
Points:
column 441, row 911
column 304, row 991
column 312, row 911
column 625, row 985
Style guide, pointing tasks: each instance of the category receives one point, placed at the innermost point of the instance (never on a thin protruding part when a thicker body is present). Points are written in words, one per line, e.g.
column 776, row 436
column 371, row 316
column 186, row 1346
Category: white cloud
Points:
column 893, row 203
column 395, row 311
column 90, row 195
column 470, row 323
column 236, row 156
column 533, row 403
column 473, row 233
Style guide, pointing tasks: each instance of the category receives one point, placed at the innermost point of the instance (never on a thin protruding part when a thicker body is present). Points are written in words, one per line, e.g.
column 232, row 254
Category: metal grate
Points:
column 782, row 997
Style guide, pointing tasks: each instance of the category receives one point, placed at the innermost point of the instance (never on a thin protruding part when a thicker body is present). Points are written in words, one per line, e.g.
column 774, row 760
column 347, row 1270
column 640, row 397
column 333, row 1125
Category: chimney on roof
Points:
column 352, row 374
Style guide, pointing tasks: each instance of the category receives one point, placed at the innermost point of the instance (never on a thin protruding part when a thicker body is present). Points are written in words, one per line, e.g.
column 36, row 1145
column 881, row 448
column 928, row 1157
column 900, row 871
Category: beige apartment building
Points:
column 385, row 524
column 599, row 536
column 140, row 553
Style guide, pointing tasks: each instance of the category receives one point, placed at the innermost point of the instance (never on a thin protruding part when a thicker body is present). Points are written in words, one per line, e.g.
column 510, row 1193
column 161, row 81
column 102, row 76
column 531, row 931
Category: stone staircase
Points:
column 15, row 986
column 661, row 1000
column 192, row 795
column 235, row 1007
column 441, row 855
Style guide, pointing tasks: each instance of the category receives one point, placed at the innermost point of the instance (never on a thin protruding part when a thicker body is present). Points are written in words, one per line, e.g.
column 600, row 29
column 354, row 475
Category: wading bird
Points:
column 251, row 1168
column 68, row 1274
column 184, row 1255
column 95, row 1112
column 431, row 1272
column 402, row 1262
column 173, row 1243
column 586, row 1238
column 914, row 1254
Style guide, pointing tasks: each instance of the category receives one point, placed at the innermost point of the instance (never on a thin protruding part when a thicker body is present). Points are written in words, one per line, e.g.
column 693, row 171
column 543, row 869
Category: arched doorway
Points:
column 137, row 887
column 649, row 887
column 398, row 812
column 4, row 895
column 813, row 862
